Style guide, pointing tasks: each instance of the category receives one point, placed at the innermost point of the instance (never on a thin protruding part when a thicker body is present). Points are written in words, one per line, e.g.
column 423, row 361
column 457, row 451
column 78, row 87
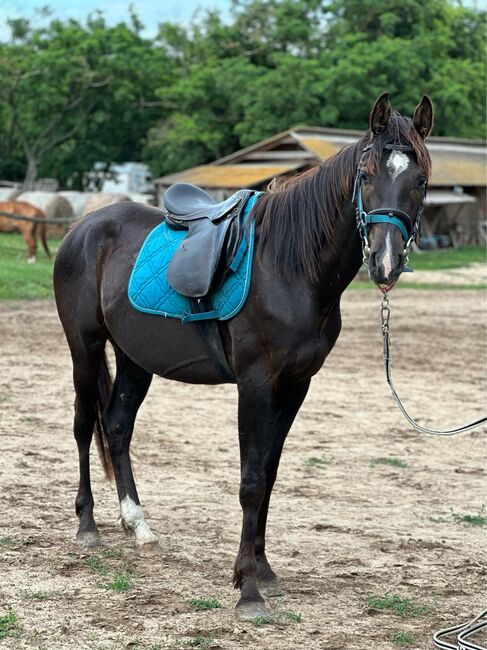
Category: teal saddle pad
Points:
column 150, row 292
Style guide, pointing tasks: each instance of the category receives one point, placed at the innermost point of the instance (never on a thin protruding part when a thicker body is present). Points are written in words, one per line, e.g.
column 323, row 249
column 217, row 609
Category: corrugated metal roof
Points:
column 231, row 176
column 455, row 161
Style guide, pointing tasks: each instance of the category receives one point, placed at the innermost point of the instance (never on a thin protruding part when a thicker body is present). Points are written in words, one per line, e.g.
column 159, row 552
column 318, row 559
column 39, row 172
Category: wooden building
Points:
column 456, row 201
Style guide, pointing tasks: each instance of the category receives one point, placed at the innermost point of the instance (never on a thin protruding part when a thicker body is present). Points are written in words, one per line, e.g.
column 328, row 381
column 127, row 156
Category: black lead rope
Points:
column 385, row 313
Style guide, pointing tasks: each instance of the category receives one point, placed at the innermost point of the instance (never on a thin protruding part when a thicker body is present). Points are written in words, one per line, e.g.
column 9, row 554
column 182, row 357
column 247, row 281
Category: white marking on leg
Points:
column 133, row 520
column 397, row 163
column 387, row 257
column 31, row 260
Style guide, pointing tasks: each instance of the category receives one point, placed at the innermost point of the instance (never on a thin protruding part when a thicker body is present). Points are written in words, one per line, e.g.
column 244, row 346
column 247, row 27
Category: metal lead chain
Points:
column 385, row 313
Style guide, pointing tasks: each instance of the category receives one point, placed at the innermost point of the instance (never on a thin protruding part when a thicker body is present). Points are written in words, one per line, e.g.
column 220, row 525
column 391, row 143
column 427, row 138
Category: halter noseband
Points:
column 408, row 226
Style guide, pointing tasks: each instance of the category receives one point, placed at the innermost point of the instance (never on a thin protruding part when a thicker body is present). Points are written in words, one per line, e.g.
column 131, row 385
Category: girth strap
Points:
column 210, row 335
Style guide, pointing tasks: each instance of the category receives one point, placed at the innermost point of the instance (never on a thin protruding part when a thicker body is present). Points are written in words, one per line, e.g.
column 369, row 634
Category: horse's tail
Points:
column 42, row 235
column 103, row 392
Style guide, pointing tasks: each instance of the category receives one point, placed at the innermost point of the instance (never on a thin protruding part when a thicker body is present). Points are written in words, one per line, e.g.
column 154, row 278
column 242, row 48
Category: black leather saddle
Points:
column 214, row 235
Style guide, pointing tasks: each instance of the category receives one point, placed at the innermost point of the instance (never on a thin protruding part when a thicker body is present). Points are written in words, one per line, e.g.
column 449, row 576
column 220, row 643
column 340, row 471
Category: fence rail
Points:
column 18, row 217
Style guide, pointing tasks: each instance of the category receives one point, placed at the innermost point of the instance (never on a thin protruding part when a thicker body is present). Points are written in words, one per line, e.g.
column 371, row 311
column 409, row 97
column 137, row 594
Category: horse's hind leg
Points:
column 129, row 390
column 89, row 366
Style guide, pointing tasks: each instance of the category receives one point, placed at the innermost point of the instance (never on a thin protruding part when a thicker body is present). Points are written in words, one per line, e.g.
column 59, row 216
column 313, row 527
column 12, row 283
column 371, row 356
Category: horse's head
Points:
column 390, row 187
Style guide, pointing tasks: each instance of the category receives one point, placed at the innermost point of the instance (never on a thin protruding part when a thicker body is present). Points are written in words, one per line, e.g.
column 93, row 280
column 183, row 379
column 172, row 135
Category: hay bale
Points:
column 8, row 193
column 54, row 207
column 77, row 201
column 99, row 200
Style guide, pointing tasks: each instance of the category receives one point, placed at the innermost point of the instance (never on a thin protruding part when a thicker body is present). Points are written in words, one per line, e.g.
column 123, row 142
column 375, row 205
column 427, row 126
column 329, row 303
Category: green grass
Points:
column 393, row 462
column 294, row 617
column 8, row 625
column 447, row 258
column 8, row 541
column 277, row 617
column 401, row 606
column 19, row 280
column 96, row 565
column 201, row 641
column 402, row 637
column 120, row 582
column 470, row 520
column 203, row 603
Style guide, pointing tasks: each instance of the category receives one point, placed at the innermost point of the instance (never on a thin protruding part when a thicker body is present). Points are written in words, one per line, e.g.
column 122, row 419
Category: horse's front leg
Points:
column 254, row 424
column 286, row 403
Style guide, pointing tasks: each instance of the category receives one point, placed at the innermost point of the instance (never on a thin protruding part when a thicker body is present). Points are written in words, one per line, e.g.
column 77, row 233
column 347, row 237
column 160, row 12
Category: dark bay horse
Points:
column 308, row 249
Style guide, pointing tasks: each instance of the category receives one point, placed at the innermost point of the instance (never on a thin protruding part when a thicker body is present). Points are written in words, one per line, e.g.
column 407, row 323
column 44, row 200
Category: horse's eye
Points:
column 364, row 178
column 422, row 183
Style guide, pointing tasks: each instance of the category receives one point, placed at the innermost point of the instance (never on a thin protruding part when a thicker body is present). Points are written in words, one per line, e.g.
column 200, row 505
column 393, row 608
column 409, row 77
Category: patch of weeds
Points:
column 402, row 637
column 112, row 553
column 8, row 541
column 96, row 565
column 390, row 460
column 203, row 603
column 277, row 617
column 403, row 607
column 38, row 595
column 8, row 625
column 294, row 617
column 437, row 520
column 201, row 641
column 21, row 464
column 470, row 520
column 318, row 461
column 119, row 582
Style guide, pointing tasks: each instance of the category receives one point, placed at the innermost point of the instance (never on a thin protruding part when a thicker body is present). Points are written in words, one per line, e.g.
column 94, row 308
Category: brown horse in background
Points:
column 28, row 229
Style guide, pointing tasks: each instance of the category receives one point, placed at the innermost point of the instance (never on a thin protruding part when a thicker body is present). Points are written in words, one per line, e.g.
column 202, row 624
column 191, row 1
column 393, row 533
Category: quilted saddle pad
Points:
column 149, row 291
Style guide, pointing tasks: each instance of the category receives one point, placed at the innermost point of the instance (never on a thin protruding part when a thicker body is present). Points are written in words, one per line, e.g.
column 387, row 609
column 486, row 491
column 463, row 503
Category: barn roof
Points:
column 455, row 161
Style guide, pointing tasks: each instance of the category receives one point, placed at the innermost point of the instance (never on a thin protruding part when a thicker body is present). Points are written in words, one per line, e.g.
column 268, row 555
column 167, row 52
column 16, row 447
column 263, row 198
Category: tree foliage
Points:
column 73, row 94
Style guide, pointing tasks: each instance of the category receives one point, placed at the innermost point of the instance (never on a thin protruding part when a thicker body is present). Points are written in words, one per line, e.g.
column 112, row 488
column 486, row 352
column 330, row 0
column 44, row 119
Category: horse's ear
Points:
column 380, row 114
column 423, row 117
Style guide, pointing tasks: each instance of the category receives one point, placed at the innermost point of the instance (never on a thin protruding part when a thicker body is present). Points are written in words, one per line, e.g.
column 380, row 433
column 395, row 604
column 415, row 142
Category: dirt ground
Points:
column 342, row 527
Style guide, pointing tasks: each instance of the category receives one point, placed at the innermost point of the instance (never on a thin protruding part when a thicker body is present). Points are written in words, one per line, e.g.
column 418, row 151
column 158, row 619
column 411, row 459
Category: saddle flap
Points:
column 194, row 263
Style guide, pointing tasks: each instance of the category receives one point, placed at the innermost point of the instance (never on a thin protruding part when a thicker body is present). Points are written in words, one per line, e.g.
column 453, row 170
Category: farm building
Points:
column 456, row 202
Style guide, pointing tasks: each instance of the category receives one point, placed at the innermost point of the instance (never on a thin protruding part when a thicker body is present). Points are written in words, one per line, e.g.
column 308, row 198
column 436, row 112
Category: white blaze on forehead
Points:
column 387, row 257
column 133, row 520
column 397, row 163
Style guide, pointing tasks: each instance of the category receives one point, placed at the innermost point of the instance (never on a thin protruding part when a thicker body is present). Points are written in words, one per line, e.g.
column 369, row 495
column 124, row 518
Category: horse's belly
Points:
column 161, row 346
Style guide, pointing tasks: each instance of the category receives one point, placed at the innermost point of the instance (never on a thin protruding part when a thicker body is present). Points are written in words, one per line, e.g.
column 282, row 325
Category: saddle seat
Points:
column 215, row 238
column 187, row 202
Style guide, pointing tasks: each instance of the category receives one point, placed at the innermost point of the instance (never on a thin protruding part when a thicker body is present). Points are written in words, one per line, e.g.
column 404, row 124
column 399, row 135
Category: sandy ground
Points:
column 466, row 275
column 340, row 530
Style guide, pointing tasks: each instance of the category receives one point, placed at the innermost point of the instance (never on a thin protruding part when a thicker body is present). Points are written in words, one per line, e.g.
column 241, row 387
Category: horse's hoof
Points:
column 150, row 549
column 248, row 611
column 270, row 588
column 88, row 539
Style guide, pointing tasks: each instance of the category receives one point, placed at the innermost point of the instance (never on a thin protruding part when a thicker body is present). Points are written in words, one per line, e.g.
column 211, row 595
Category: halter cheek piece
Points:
column 408, row 226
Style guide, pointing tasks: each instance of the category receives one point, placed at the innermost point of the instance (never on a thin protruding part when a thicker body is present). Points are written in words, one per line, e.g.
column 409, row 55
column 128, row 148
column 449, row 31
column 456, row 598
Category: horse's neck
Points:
column 342, row 260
